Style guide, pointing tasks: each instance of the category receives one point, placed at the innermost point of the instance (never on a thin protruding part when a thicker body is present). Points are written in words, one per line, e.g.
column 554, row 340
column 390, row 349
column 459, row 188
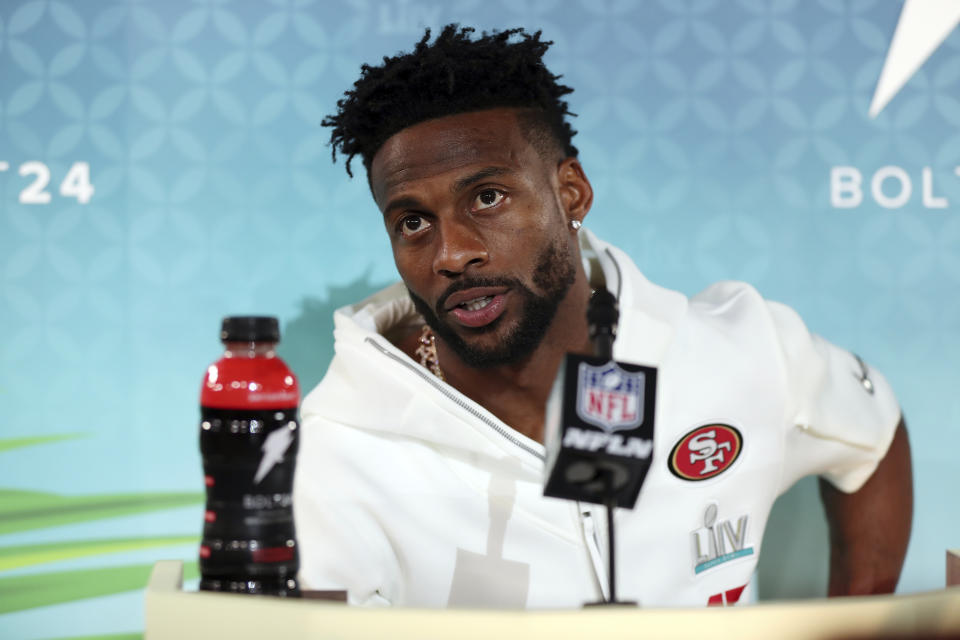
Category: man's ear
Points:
column 576, row 194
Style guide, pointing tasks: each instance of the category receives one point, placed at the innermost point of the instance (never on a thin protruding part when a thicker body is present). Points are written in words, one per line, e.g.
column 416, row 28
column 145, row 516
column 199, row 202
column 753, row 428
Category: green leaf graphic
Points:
column 43, row 589
column 15, row 443
column 33, row 554
column 28, row 510
column 25, row 510
column 110, row 636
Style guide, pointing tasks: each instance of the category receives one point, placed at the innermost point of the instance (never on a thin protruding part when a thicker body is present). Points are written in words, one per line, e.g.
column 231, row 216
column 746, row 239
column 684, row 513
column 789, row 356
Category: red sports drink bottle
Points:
column 249, row 434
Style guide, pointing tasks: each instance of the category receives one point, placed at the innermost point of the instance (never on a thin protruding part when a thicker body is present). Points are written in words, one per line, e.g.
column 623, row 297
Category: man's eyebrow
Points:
column 403, row 202
column 482, row 174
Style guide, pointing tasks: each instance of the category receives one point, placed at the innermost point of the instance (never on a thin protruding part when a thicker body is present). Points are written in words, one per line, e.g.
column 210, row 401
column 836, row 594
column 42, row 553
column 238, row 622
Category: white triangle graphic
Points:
column 922, row 27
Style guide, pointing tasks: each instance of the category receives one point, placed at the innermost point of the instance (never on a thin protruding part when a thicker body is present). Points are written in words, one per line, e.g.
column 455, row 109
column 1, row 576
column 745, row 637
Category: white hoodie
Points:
column 409, row 493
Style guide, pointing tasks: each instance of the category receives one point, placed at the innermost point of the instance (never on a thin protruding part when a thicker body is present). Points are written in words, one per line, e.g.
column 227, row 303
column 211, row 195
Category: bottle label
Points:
column 249, row 460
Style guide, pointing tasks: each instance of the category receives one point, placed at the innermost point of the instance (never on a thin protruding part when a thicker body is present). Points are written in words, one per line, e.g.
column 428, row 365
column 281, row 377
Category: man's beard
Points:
column 554, row 274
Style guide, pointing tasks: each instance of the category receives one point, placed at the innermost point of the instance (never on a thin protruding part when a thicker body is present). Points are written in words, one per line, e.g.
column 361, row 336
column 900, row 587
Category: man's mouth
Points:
column 476, row 307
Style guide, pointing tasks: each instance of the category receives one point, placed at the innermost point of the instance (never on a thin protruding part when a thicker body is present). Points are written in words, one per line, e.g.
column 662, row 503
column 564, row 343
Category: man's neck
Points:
column 517, row 393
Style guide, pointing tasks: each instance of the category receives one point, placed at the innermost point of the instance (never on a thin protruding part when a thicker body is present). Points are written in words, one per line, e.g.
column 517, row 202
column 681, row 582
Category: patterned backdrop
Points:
column 162, row 165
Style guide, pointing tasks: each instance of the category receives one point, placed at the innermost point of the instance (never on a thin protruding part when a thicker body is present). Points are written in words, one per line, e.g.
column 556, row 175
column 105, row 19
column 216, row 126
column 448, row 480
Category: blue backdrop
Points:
column 162, row 165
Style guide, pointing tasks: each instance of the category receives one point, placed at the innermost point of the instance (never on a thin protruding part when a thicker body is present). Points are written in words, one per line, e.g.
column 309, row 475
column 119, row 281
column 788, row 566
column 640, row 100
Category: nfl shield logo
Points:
column 610, row 397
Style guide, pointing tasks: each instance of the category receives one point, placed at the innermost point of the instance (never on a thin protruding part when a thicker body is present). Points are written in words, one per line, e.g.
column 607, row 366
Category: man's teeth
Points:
column 477, row 303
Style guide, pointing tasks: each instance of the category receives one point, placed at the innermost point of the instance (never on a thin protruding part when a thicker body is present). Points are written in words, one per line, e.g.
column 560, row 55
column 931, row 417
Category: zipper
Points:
column 593, row 548
column 456, row 398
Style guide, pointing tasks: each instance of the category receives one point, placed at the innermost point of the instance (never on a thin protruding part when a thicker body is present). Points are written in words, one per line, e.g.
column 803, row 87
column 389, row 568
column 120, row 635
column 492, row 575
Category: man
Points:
column 421, row 465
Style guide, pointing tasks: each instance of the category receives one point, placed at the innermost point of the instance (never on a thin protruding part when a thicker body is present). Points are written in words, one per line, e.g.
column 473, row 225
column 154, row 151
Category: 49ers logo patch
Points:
column 705, row 452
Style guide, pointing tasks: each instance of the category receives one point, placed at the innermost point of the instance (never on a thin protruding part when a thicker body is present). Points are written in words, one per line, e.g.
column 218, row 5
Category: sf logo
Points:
column 705, row 452
column 704, row 447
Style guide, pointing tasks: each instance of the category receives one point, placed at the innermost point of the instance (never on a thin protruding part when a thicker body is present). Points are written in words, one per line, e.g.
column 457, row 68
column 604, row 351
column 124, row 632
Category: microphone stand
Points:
column 602, row 318
column 610, row 505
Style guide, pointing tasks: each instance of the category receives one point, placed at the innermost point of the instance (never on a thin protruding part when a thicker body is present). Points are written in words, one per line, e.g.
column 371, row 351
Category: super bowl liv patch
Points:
column 719, row 541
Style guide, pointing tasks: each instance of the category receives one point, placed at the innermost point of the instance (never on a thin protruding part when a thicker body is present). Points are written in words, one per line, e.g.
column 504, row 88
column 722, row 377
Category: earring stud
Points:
column 575, row 225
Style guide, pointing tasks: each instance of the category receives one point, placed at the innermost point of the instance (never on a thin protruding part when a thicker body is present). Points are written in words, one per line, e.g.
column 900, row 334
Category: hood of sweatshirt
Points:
column 369, row 378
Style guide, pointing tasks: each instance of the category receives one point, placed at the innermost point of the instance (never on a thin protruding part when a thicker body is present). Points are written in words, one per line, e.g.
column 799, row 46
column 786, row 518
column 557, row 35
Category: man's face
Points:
column 478, row 231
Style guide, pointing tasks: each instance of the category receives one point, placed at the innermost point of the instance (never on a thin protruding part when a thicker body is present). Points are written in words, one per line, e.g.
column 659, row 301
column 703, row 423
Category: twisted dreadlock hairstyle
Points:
column 454, row 74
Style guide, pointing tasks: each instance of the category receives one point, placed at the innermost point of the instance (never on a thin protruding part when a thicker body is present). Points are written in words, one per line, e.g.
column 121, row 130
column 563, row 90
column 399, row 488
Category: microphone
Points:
column 599, row 426
column 599, row 419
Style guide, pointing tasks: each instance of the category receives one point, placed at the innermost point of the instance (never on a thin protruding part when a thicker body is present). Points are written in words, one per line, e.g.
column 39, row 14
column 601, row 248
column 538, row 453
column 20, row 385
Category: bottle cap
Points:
column 250, row 329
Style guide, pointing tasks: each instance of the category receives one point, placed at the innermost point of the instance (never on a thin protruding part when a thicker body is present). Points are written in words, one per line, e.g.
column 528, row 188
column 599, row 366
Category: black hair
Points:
column 454, row 74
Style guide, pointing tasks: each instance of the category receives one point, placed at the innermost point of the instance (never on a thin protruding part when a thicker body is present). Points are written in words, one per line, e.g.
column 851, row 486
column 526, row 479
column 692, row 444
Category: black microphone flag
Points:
column 599, row 420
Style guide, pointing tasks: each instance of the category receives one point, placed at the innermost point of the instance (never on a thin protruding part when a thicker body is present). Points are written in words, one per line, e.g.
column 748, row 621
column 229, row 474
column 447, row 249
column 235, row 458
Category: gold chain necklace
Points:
column 427, row 350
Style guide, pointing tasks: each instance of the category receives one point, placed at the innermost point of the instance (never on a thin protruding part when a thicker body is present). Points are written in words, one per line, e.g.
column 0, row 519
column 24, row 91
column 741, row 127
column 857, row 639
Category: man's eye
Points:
column 411, row 225
column 487, row 198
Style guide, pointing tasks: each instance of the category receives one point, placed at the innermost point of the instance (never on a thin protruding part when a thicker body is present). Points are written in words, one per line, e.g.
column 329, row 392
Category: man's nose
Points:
column 460, row 246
